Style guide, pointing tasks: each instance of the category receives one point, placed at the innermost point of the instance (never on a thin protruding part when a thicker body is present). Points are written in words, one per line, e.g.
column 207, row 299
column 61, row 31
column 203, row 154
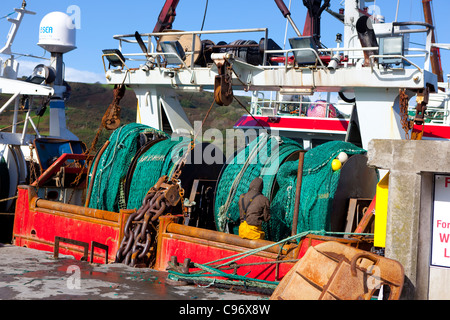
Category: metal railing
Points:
column 257, row 107
column 28, row 120
column 152, row 48
column 151, row 45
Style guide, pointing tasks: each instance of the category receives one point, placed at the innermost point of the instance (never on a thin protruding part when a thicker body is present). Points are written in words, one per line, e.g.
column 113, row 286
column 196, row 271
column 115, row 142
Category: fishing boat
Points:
column 159, row 196
column 316, row 121
column 26, row 100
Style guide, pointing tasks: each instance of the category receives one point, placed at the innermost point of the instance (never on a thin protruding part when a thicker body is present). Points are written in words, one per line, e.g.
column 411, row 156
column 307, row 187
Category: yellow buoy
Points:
column 336, row 165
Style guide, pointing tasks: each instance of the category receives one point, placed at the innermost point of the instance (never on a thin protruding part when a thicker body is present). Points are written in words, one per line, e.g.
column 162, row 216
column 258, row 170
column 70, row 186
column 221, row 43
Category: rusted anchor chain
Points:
column 138, row 247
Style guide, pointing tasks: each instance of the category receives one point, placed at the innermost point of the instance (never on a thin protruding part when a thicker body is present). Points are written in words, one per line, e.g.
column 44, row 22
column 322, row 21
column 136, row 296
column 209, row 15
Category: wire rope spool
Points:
column 204, row 58
column 205, row 163
column 245, row 50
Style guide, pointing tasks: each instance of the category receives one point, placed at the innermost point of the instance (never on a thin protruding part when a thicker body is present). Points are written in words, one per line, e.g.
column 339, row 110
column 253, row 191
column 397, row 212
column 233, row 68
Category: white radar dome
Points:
column 57, row 33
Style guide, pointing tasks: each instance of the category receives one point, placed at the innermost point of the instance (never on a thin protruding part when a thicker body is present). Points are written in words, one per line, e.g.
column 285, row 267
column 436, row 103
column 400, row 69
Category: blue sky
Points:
column 101, row 19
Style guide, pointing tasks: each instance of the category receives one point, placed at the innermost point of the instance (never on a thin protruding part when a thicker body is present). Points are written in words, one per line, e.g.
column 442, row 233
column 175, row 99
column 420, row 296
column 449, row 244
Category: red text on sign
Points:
column 447, row 181
column 444, row 237
column 443, row 224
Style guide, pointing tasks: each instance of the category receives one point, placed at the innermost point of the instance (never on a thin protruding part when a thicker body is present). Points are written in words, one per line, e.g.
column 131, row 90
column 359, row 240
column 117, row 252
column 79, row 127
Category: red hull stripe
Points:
column 431, row 131
column 434, row 131
column 294, row 123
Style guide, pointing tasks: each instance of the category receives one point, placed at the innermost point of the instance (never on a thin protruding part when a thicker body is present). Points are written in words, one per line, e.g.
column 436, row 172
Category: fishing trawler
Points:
column 28, row 99
column 150, row 202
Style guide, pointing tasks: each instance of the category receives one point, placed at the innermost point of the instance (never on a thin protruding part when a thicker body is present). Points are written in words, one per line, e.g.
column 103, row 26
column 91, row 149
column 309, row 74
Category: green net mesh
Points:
column 260, row 158
column 113, row 166
column 159, row 160
column 319, row 184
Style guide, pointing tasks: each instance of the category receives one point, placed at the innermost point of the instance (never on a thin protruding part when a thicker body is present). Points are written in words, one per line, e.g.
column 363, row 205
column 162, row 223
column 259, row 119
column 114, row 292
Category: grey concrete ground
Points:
column 28, row 274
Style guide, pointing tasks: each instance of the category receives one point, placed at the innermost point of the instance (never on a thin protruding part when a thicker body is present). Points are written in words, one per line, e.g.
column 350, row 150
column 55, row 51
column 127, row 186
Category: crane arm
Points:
column 166, row 16
column 287, row 14
column 436, row 63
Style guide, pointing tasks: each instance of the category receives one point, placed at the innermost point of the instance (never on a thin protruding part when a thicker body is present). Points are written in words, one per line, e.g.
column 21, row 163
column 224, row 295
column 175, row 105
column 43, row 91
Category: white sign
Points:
column 440, row 250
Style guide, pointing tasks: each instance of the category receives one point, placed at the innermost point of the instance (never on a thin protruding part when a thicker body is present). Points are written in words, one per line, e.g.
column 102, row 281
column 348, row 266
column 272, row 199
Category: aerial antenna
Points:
column 396, row 12
column 15, row 27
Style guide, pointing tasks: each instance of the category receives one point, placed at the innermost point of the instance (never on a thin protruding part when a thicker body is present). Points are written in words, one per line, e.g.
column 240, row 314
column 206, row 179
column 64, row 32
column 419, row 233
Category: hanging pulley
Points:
column 422, row 101
column 223, row 90
column 111, row 118
column 421, row 107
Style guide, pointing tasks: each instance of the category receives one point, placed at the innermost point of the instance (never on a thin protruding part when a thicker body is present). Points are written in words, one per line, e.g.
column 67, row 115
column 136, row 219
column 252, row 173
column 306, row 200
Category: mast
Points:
column 435, row 52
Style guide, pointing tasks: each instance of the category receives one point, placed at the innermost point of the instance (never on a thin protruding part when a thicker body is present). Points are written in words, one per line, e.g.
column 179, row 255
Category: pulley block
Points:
column 223, row 90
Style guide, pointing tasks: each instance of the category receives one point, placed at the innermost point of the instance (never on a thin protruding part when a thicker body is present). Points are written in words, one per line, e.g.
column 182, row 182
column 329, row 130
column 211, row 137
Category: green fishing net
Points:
column 319, row 184
column 260, row 158
column 113, row 166
column 157, row 161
